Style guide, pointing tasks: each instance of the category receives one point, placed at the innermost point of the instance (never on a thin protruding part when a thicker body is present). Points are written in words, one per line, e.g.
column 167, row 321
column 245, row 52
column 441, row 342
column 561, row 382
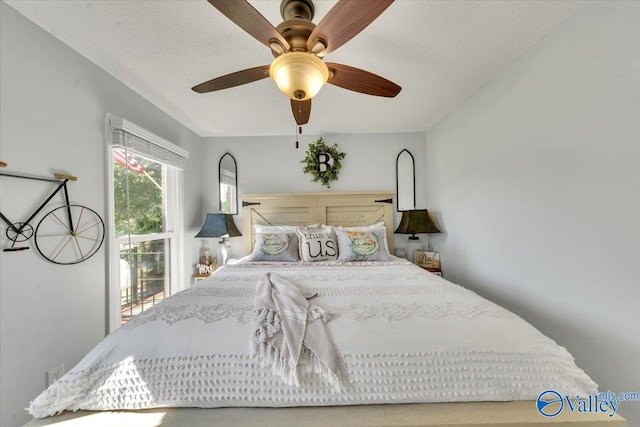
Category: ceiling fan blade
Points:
column 301, row 111
column 234, row 79
column 344, row 21
column 249, row 19
column 361, row 81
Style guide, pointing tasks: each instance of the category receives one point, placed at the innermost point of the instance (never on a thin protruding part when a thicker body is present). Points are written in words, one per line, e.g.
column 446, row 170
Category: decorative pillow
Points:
column 317, row 243
column 279, row 247
column 362, row 245
column 379, row 228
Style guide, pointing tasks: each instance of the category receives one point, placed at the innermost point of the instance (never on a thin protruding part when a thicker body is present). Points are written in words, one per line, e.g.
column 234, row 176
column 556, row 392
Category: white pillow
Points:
column 363, row 228
column 362, row 245
column 374, row 227
column 317, row 243
column 261, row 229
column 275, row 247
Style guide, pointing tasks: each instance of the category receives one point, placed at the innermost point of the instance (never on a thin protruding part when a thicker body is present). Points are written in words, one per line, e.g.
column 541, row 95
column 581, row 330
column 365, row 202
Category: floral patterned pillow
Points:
column 278, row 247
column 362, row 245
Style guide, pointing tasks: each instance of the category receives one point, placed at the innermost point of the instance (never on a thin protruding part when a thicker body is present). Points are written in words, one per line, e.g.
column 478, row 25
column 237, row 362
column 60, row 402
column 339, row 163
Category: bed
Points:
column 412, row 348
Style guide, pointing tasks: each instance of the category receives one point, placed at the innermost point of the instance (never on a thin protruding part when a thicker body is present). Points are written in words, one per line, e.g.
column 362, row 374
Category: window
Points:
column 145, row 188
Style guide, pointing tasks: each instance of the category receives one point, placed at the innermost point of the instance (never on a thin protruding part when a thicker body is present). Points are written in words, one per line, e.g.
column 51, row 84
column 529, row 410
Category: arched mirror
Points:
column 405, row 181
column 228, row 175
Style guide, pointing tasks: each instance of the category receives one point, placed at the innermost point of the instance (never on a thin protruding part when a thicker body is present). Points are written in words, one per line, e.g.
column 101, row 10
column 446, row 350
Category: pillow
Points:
column 374, row 227
column 279, row 247
column 362, row 245
column 317, row 243
column 364, row 227
column 260, row 228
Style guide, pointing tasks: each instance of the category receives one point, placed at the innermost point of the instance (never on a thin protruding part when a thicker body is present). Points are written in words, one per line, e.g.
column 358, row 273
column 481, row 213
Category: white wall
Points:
column 52, row 106
column 271, row 164
column 536, row 180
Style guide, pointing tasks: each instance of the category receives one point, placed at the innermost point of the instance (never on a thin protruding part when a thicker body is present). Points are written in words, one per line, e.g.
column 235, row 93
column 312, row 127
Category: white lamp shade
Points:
column 299, row 75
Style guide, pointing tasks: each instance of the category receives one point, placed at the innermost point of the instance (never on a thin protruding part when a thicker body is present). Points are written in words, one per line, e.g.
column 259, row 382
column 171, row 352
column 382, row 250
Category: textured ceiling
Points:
column 440, row 52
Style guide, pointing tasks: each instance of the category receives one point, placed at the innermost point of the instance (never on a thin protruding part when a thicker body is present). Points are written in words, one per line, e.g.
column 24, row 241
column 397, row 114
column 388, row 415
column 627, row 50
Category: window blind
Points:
column 124, row 134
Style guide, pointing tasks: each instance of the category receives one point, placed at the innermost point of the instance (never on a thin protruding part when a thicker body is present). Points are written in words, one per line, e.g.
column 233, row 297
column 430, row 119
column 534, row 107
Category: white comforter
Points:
column 403, row 335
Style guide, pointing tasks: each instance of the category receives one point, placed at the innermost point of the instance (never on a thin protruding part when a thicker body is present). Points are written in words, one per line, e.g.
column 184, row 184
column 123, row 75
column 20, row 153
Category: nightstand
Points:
column 435, row 271
column 203, row 276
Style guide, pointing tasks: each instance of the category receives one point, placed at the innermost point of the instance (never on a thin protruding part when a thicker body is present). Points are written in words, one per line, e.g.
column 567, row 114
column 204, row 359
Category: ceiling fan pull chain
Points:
column 299, row 132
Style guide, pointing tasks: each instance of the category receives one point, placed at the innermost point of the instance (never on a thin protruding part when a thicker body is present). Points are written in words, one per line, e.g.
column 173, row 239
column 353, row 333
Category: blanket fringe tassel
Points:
column 309, row 364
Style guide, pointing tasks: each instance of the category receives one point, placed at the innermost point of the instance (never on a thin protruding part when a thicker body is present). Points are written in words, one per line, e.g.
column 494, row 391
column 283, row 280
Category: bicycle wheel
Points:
column 69, row 234
column 25, row 231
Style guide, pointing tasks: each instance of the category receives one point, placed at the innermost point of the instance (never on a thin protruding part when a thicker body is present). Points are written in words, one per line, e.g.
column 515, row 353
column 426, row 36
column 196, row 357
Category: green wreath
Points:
column 323, row 162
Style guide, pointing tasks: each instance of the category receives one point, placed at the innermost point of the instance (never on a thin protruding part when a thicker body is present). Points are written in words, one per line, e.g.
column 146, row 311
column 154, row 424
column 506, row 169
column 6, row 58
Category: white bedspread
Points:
column 403, row 335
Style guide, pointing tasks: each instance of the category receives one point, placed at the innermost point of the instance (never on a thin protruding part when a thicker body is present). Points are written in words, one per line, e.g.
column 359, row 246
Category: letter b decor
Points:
column 323, row 162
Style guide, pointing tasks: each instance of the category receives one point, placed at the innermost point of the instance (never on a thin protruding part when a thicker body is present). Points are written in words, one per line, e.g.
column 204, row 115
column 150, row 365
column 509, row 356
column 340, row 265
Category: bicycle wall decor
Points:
column 68, row 234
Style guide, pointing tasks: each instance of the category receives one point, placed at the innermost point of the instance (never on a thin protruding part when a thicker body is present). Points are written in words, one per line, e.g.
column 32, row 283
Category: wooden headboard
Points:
column 349, row 209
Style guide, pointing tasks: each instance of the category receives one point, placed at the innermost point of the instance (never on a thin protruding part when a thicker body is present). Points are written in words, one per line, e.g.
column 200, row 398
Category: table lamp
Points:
column 415, row 222
column 220, row 225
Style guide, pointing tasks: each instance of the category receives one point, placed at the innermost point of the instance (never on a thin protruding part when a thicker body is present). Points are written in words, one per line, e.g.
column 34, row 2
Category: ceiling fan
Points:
column 299, row 45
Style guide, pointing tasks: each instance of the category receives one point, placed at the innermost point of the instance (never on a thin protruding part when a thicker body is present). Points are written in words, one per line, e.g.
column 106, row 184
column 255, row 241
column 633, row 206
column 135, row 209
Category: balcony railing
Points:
column 143, row 278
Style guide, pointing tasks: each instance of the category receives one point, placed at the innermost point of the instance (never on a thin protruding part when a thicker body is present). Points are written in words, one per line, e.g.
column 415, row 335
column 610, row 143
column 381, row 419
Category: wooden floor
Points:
column 471, row 414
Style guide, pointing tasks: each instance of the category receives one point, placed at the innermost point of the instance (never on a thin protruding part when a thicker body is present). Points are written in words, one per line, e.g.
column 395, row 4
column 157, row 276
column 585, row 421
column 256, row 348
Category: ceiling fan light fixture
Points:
column 276, row 46
column 299, row 75
column 318, row 47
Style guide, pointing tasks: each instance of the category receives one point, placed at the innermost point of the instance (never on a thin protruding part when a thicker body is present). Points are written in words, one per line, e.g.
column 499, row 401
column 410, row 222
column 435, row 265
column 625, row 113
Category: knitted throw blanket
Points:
column 290, row 334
